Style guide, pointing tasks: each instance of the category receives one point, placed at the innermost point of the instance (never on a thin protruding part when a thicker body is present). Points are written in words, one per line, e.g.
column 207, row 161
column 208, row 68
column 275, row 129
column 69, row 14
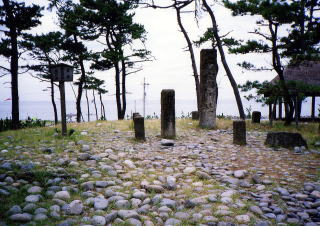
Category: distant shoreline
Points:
column 43, row 109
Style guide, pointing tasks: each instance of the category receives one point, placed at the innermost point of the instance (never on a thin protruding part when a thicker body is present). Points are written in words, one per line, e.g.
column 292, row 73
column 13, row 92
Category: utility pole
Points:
column 144, row 96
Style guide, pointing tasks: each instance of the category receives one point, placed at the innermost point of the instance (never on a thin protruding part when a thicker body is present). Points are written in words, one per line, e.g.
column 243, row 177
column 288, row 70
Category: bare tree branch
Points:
column 133, row 72
column 261, row 34
column 4, row 68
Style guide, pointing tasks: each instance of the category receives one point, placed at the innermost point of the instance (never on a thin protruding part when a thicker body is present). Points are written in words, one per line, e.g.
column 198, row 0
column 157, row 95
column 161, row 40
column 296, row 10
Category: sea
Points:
column 44, row 110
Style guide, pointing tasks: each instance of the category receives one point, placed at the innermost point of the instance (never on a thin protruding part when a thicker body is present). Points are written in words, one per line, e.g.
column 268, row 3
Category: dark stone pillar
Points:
column 168, row 115
column 138, row 122
column 256, row 117
column 195, row 115
column 239, row 132
column 208, row 88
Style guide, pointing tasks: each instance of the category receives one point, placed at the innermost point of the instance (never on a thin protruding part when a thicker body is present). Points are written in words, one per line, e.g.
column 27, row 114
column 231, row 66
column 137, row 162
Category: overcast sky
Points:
column 171, row 67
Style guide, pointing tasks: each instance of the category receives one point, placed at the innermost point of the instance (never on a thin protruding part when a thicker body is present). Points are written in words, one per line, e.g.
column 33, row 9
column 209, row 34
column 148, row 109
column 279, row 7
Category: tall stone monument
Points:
column 208, row 88
column 168, row 115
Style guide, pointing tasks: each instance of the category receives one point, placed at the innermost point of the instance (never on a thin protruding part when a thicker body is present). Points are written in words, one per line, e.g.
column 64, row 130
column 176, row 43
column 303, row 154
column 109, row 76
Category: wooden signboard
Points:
column 62, row 73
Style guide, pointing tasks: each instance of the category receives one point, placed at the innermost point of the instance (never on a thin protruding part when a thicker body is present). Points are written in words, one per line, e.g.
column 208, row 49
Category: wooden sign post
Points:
column 63, row 108
column 62, row 73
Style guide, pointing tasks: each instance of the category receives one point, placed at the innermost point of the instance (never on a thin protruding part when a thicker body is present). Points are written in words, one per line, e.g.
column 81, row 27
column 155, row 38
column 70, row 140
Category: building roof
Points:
column 61, row 65
column 307, row 72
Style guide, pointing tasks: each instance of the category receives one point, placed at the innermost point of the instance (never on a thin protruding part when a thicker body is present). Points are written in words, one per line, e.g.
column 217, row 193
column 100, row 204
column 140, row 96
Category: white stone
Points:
column 85, row 147
column 35, row 190
column 189, row 170
column 100, row 203
column 129, row 164
column 98, row 220
column 243, row 219
column 139, row 195
column 166, row 142
column 228, row 193
column 260, row 187
column 316, row 194
column 63, row 195
column 75, row 207
column 32, row 198
column 171, row 182
column 240, row 173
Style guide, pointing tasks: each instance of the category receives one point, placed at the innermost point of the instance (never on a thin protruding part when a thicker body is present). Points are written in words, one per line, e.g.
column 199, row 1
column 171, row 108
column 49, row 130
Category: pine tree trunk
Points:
column 224, row 61
column 88, row 105
column 276, row 62
column 124, row 91
column 299, row 108
column 80, row 85
column 103, row 112
column 14, row 86
column 101, row 107
column 95, row 105
column 118, row 93
column 54, row 103
column 193, row 60
column 273, row 113
column 14, row 65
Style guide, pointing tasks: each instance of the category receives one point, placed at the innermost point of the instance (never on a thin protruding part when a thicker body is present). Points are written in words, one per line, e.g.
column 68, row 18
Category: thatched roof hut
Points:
column 307, row 72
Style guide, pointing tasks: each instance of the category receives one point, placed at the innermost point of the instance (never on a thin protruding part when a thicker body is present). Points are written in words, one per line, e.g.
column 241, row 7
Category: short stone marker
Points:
column 138, row 122
column 239, row 132
column 256, row 117
column 285, row 139
column 135, row 114
column 168, row 115
column 195, row 115
column 208, row 88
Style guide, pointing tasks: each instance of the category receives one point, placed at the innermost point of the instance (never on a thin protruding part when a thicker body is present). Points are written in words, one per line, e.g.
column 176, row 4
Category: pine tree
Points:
column 16, row 18
column 113, row 21
column 198, row 6
column 300, row 26
column 46, row 50
column 70, row 20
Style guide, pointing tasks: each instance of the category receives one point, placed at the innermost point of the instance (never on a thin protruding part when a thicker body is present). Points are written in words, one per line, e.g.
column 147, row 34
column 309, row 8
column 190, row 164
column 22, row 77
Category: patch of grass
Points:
column 111, row 206
column 188, row 223
column 122, row 224
column 131, row 125
column 33, row 139
column 235, row 197
column 15, row 198
column 292, row 224
column 41, row 176
column 279, row 201
column 240, row 210
column 186, row 124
